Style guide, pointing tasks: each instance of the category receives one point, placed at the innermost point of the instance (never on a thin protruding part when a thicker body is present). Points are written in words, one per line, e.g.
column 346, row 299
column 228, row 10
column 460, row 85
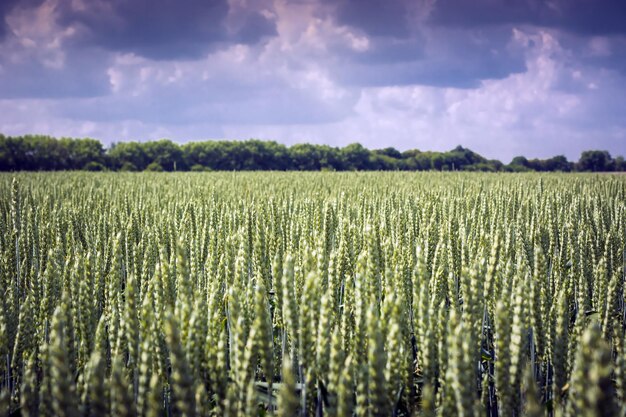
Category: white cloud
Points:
column 36, row 36
column 524, row 113
column 303, row 85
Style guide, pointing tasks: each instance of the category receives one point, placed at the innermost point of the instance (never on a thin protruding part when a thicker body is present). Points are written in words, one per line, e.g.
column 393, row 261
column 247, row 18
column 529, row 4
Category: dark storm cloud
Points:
column 446, row 58
column 538, row 77
column 435, row 74
column 253, row 27
column 406, row 51
column 616, row 61
column 6, row 7
column 476, row 13
column 40, row 82
column 387, row 51
column 375, row 17
column 163, row 29
column 590, row 17
column 614, row 57
column 82, row 75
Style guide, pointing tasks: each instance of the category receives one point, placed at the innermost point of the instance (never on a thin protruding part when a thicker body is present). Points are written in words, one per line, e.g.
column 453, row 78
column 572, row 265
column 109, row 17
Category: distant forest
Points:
column 44, row 153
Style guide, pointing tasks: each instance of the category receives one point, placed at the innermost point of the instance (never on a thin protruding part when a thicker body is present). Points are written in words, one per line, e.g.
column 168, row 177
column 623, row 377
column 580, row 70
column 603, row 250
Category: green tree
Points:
column 154, row 167
column 164, row 153
column 355, row 157
column 125, row 153
column 595, row 161
column 305, row 157
column 620, row 164
column 81, row 152
column 557, row 163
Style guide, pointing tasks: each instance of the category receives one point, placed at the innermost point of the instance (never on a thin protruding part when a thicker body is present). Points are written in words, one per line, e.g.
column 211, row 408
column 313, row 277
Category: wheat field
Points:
column 312, row 294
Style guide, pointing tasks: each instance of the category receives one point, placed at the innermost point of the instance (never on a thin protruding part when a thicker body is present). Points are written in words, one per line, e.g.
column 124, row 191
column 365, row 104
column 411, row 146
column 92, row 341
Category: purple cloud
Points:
column 501, row 77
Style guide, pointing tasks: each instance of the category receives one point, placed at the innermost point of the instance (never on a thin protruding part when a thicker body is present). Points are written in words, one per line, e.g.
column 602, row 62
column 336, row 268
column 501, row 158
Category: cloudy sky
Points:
column 502, row 77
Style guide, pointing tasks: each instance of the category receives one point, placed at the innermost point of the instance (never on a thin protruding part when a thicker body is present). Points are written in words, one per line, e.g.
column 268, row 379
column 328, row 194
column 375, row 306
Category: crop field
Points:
column 312, row 294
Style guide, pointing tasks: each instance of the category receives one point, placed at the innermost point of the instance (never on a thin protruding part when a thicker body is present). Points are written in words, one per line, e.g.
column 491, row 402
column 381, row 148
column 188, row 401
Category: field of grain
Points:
column 312, row 294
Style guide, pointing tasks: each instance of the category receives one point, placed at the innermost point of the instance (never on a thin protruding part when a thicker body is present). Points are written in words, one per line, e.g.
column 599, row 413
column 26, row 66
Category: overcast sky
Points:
column 502, row 77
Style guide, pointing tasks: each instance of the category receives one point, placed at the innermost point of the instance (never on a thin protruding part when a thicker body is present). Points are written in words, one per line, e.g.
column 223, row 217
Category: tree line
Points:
column 45, row 153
